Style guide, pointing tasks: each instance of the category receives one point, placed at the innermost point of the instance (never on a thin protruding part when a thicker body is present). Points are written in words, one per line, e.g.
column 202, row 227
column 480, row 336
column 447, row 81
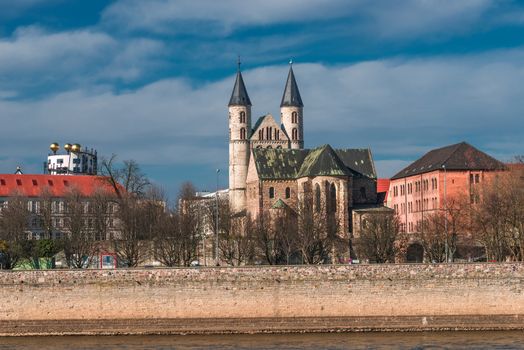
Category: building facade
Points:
column 432, row 182
column 269, row 169
column 48, row 197
column 75, row 161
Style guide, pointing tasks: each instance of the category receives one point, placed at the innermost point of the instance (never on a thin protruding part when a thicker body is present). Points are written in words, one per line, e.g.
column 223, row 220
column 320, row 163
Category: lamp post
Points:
column 216, row 221
column 446, row 212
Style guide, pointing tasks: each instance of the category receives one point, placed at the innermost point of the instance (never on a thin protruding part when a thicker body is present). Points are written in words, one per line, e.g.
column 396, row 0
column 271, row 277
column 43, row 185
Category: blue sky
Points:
column 150, row 80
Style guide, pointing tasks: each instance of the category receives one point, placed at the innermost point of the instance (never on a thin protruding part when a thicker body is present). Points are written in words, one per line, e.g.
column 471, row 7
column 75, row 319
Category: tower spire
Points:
column 291, row 97
column 239, row 96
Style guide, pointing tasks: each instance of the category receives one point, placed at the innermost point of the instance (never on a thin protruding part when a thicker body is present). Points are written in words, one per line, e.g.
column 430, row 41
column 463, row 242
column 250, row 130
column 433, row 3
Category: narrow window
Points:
column 294, row 118
column 294, row 134
column 271, row 192
column 317, row 198
column 242, row 117
column 242, row 134
column 288, row 192
column 261, row 134
column 333, row 198
column 363, row 192
column 477, row 178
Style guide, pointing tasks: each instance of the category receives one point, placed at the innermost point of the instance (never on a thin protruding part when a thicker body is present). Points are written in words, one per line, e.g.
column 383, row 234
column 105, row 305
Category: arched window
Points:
column 242, row 117
column 294, row 134
column 294, row 117
column 317, row 198
column 271, row 192
column 288, row 192
column 242, row 133
column 260, row 134
column 363, row 192
column 332, row 198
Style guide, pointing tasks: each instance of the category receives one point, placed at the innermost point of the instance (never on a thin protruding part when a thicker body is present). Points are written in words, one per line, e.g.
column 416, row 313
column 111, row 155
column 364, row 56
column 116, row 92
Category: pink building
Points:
column 438, row 177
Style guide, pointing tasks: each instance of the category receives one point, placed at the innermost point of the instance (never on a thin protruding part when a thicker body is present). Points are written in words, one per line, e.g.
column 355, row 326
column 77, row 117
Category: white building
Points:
column 76, row 161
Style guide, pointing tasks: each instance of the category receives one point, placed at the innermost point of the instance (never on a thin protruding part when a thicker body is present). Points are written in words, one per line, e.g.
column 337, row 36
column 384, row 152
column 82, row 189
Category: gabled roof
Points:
column 460, row 156
column 359, row 161
column 239, row 96
column 278, row 163
column 55, row 185
column 291, row 96
column 273, row 164
column 323, row 161
column 279, row 204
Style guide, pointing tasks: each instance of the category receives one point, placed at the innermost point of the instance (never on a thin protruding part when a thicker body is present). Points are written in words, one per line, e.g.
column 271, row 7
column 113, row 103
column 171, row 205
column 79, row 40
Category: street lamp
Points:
column 446, row 212
column 216, row 222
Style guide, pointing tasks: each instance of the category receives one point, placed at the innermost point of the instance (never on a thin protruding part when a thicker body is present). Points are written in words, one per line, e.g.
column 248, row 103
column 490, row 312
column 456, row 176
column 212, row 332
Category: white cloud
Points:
column 400, row 108
column 35, row 57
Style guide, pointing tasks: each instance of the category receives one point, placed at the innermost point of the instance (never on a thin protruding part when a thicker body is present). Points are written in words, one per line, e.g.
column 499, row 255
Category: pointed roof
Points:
column 323, row 161
column 239, row 96
column 279, row 204
column 291, row 97
column 460, row 156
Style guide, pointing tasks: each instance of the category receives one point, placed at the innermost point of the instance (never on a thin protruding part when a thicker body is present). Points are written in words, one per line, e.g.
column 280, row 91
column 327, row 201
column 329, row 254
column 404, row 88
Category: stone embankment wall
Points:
column 263, row 299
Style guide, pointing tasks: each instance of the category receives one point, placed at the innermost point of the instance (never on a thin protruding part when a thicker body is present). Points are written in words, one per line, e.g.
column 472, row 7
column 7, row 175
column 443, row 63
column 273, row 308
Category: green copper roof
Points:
column 279, row 204
column 323, row 161
column 279, row 164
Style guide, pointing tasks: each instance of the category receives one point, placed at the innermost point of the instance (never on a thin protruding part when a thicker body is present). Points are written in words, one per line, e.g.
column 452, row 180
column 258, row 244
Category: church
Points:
column 269, row 168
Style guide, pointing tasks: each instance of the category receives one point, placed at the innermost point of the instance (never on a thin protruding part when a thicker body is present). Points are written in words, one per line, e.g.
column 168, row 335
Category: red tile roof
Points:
column 382, row 185
column 58, row 185
column 382, row 190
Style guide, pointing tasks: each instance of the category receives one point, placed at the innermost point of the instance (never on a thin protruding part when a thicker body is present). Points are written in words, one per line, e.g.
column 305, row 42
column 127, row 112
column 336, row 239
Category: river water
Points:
column 432, row 340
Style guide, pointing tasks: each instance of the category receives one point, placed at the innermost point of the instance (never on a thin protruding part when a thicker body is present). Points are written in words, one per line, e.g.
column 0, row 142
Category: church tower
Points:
column 291, row 109
column 239, row 133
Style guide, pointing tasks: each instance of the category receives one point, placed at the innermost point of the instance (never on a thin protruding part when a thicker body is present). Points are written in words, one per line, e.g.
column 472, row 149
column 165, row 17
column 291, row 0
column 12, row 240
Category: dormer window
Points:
column 35, row 183
column 18, row 182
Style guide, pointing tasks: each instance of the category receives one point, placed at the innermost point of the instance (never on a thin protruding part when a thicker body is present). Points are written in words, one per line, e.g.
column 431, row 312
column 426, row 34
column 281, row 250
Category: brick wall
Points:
column 252, row 299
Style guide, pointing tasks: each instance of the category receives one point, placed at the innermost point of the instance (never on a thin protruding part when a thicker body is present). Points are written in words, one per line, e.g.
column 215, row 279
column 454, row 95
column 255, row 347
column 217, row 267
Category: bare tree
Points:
column 167, row 246
column 379, row 237
column 79, row 245
column 498, row 219
column 127, row 178
column 188, row 223
column 266, row 239
column 47, row 213
column 14, row 218
column 311, row 232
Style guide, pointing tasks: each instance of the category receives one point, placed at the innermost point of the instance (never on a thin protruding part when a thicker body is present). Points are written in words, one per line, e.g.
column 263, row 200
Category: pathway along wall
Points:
column 263, row 299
